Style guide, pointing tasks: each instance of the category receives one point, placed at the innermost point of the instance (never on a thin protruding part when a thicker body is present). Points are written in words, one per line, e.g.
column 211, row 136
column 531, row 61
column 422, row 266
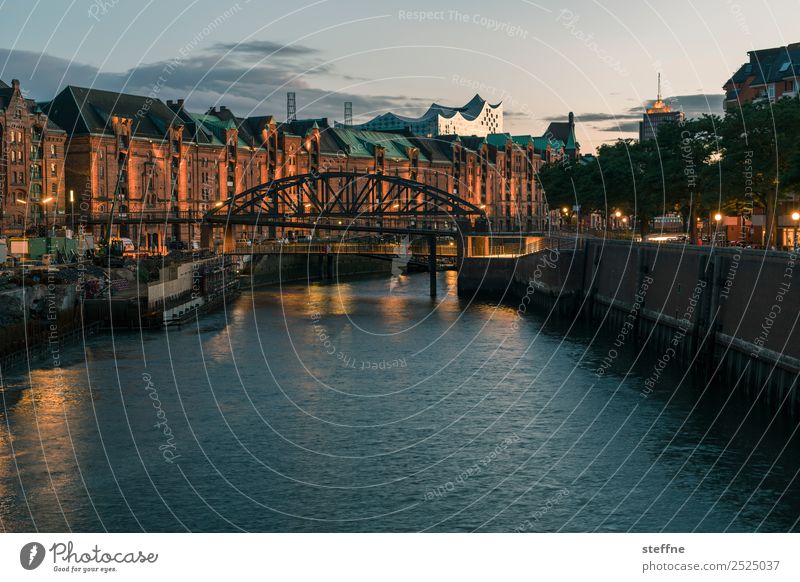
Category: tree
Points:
column 760, row 144
column 751, row 157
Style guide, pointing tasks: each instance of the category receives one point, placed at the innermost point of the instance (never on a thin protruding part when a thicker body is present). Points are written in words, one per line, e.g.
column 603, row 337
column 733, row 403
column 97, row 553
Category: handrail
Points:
column 342, row 248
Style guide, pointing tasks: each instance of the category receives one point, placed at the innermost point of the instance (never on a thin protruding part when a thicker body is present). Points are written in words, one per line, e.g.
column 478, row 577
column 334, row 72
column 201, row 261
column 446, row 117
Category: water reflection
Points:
column 417, row 414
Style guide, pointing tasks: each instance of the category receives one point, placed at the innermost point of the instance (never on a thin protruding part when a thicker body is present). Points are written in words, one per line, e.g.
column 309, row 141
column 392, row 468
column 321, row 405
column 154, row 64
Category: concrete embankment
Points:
column 731, row 315
column 37, row 319
column 272, row 269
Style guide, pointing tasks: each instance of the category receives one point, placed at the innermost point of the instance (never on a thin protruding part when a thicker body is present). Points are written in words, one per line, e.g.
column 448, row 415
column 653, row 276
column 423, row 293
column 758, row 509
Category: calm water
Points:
column 366, row 406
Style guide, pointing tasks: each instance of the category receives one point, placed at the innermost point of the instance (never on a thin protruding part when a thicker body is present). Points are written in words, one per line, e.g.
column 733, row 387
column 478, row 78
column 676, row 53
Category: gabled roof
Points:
column 769, row 65
column 5, row 97
column 6, row 93
column 540, row 143
column 362, row 143
column 303, row 126
column 52, row 126
column 498, row 140
column 249, row 128
column 216, row 128
column 80, row 110
column 434, row 149
column 563, row 131
column 193, row 130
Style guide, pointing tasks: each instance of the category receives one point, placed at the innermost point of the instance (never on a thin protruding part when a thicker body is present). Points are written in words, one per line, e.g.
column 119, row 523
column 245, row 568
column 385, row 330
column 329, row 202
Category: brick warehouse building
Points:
column 138, row 155
column 31, row 163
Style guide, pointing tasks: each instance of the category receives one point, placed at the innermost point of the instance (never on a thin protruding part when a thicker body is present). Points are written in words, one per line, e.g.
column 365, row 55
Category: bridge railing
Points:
column 274, row 248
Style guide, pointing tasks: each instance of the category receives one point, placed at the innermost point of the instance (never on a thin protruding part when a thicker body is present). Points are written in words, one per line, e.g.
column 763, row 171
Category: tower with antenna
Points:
column 656, row 115
column 291, row 107
column 659, row 86
column 348, row 113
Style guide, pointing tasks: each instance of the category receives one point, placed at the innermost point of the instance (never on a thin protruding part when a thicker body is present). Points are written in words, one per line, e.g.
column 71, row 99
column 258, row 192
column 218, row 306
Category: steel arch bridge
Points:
column 329, row 200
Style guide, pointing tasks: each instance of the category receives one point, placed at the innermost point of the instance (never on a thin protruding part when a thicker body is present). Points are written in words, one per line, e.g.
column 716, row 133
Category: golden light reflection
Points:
column 42, row 420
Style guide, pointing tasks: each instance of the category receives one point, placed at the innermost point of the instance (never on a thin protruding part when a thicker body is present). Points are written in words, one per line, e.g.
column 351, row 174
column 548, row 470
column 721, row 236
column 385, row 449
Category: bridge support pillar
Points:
column 230, row 240
column 206, row 236
column 331, row 265
column 432, row 263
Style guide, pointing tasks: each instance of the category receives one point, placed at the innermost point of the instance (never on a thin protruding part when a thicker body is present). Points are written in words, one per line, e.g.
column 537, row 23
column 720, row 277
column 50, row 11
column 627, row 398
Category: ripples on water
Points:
column 366, row 406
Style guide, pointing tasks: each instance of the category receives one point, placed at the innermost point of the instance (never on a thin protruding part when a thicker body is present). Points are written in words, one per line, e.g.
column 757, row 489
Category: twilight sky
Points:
column 542, row 59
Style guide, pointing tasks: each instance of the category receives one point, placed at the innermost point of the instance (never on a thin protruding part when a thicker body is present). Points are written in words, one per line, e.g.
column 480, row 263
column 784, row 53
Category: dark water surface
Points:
column 366, row 406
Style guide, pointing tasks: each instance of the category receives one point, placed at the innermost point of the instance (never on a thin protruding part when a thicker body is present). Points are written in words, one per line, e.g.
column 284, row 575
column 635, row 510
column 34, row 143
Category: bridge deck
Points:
column 388, row 249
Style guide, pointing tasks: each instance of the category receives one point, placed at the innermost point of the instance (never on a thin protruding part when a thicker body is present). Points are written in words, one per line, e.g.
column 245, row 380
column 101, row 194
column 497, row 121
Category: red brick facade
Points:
column 31, row 164
column 769, row 74
column 140, row 155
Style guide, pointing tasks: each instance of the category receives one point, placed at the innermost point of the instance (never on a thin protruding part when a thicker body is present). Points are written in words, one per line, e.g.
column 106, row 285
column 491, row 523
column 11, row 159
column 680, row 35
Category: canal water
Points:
column 368, row 406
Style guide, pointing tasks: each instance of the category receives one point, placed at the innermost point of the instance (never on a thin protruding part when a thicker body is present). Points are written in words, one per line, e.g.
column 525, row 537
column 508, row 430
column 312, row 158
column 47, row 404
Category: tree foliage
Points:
column 750, row 158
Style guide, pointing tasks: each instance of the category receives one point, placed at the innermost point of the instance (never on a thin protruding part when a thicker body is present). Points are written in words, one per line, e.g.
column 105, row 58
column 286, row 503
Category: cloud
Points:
column 265, row 48
column 224, row 74
column 624, row 127
column 593, row 117
column 627, row 120
column 698, row 104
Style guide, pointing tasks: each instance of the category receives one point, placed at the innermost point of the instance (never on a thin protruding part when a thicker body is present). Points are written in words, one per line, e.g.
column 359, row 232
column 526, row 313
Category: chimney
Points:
column 180, row 103
column 223, row 108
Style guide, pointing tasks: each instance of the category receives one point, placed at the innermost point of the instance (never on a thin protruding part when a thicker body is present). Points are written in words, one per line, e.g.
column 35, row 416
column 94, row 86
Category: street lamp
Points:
column 72, row 210
column 795, row 219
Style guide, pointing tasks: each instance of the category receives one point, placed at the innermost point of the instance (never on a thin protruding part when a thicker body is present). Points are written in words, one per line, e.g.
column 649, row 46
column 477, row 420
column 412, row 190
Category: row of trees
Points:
column 750, row 158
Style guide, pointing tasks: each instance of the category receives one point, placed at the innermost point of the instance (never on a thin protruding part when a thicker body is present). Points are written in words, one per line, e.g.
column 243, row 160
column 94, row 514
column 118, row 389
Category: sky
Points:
column 541, row 59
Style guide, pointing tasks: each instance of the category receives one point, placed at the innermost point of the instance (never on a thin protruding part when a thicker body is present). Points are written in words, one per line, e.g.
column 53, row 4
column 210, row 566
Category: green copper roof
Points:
column 498, row 140
column 362, row 143
column 541, row 143
column 217, row 127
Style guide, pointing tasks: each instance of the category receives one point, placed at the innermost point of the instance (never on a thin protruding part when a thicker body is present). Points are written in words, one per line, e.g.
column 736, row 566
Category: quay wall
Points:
column 730, row 315
column 273, row 269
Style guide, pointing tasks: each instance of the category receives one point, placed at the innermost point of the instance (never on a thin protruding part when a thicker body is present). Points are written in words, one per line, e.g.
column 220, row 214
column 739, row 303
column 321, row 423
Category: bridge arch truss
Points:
column 346, row 196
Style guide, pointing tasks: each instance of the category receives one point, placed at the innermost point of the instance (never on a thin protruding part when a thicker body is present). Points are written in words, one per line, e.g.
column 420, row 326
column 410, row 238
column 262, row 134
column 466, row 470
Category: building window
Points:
column 53, row 171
